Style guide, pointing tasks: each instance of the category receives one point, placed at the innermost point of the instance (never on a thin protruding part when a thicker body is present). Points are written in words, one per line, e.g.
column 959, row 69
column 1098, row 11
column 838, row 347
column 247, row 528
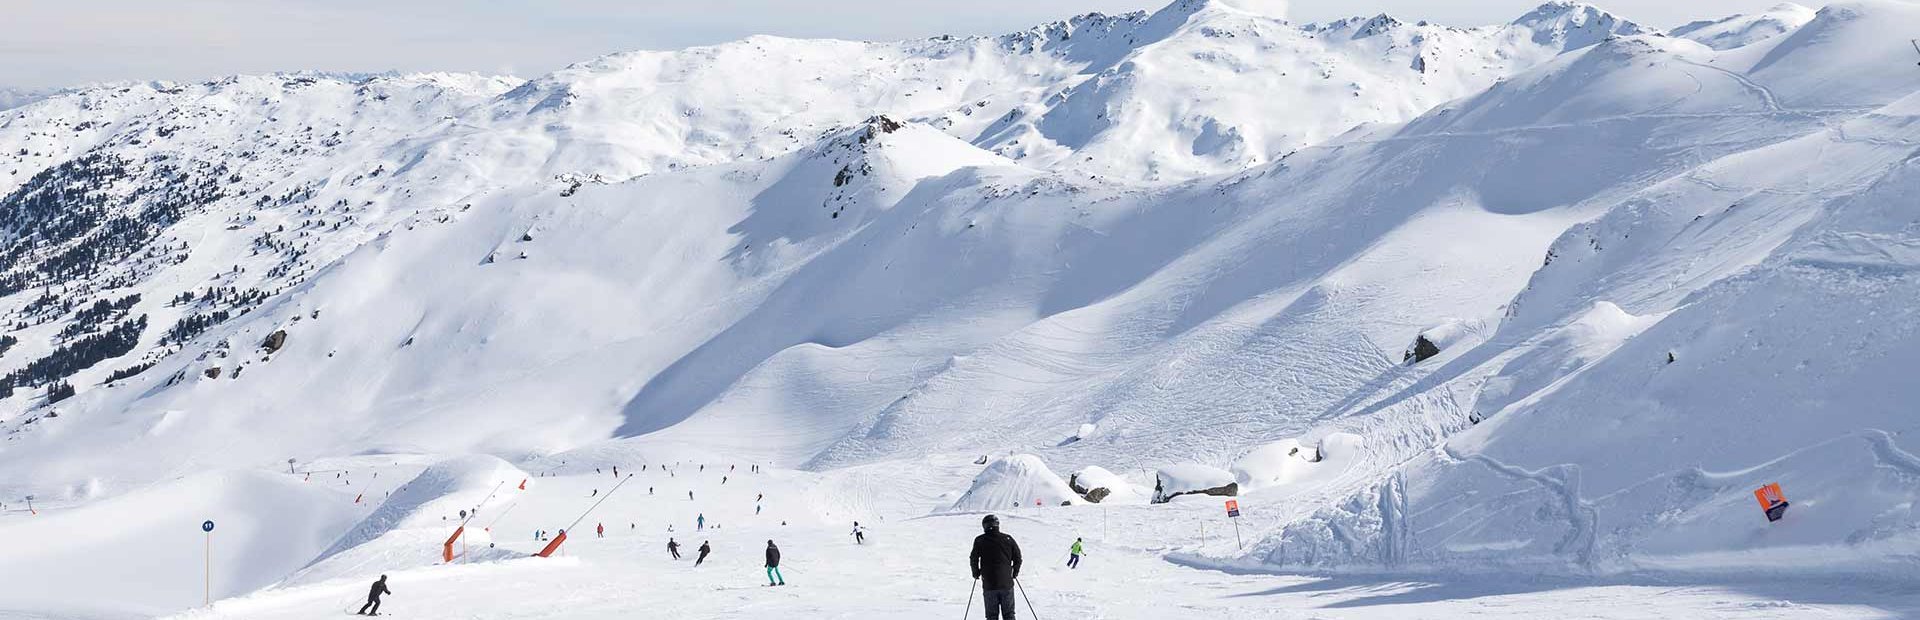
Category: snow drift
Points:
column 1017, row 481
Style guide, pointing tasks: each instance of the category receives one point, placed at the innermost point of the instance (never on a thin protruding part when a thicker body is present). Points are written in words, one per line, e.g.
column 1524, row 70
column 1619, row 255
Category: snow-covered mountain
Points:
column 1738, row 30
column 1553, row 295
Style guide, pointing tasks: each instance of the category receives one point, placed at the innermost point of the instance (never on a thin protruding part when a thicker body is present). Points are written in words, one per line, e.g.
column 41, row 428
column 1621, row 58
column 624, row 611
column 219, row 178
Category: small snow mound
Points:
column 1288, row 461
column 1340, row 446
column 1272, row 464
column 1192, row 479
column 1015, row 481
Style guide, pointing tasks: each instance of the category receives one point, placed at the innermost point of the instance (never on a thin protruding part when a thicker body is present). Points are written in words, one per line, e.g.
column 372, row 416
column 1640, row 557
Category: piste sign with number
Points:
column 1233, row 508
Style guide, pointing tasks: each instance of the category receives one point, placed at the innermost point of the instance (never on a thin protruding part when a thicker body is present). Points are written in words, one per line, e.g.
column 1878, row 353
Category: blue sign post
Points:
column 207, row 527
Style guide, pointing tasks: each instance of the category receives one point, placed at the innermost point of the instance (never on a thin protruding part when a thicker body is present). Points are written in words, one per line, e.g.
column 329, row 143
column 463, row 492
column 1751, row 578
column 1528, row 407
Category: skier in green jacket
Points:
column 1073, row 555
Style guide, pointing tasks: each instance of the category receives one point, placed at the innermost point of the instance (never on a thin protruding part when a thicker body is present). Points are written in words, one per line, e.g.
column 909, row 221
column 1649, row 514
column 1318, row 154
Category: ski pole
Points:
column 970, row 589
column 1023, row 596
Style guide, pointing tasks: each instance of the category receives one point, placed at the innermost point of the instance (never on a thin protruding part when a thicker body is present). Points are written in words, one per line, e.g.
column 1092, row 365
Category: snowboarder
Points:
column 673, row 547
column 373, row 598
column 704, row 550
column 1073, row 554
column 859, row 535
column 996, row 563
column 773, row 566
column 599, row 530
column 700, row 522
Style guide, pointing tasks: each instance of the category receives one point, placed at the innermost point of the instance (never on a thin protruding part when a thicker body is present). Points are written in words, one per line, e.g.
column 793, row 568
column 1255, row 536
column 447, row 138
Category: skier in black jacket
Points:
column 773, row 566
column 373, row 597
column 673, row 547
column 996, row 563
column 704, row 550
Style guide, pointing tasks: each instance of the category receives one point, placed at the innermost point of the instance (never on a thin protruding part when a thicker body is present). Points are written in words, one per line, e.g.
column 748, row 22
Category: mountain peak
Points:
column 1574, row 25
column 1268, row 8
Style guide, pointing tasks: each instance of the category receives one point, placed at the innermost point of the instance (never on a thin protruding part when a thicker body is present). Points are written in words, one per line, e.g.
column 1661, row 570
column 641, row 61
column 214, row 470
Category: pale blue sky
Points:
column 58, row 43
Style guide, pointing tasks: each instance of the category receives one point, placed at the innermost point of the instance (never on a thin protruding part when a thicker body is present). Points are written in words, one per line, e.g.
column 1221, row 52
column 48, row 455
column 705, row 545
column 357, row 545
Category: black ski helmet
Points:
column 990, row 523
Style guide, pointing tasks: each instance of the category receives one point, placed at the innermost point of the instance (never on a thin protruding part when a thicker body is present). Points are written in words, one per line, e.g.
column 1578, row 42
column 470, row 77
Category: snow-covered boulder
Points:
column 1098, row 485
column 1014, row 481
column 1431, row 341
column 1192, row 479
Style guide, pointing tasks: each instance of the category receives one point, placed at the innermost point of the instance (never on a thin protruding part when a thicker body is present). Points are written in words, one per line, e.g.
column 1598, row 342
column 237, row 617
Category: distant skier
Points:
column 649, row 490
column 596, row 493
column 704, row 550
column 996, row 563
column 773, row 566
column 689, row 495
column 723, row 480
column 859, row 534
column 373, row 598
column 599, row 530
column 673, row 548
column 756, row 510
column 700, row 522
column 616, row 471
column 1073, row 554
column 759, row 497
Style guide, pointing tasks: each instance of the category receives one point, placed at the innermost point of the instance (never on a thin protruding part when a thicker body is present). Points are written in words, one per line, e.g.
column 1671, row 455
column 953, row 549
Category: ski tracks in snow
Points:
column 1564, row 481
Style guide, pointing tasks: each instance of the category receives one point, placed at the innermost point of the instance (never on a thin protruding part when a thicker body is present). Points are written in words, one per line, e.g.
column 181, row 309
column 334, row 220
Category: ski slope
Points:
column 1480, row 321
column 914, row 565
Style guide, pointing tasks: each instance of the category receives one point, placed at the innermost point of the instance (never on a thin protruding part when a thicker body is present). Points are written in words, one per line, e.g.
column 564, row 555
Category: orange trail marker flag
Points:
column 1772, row 501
